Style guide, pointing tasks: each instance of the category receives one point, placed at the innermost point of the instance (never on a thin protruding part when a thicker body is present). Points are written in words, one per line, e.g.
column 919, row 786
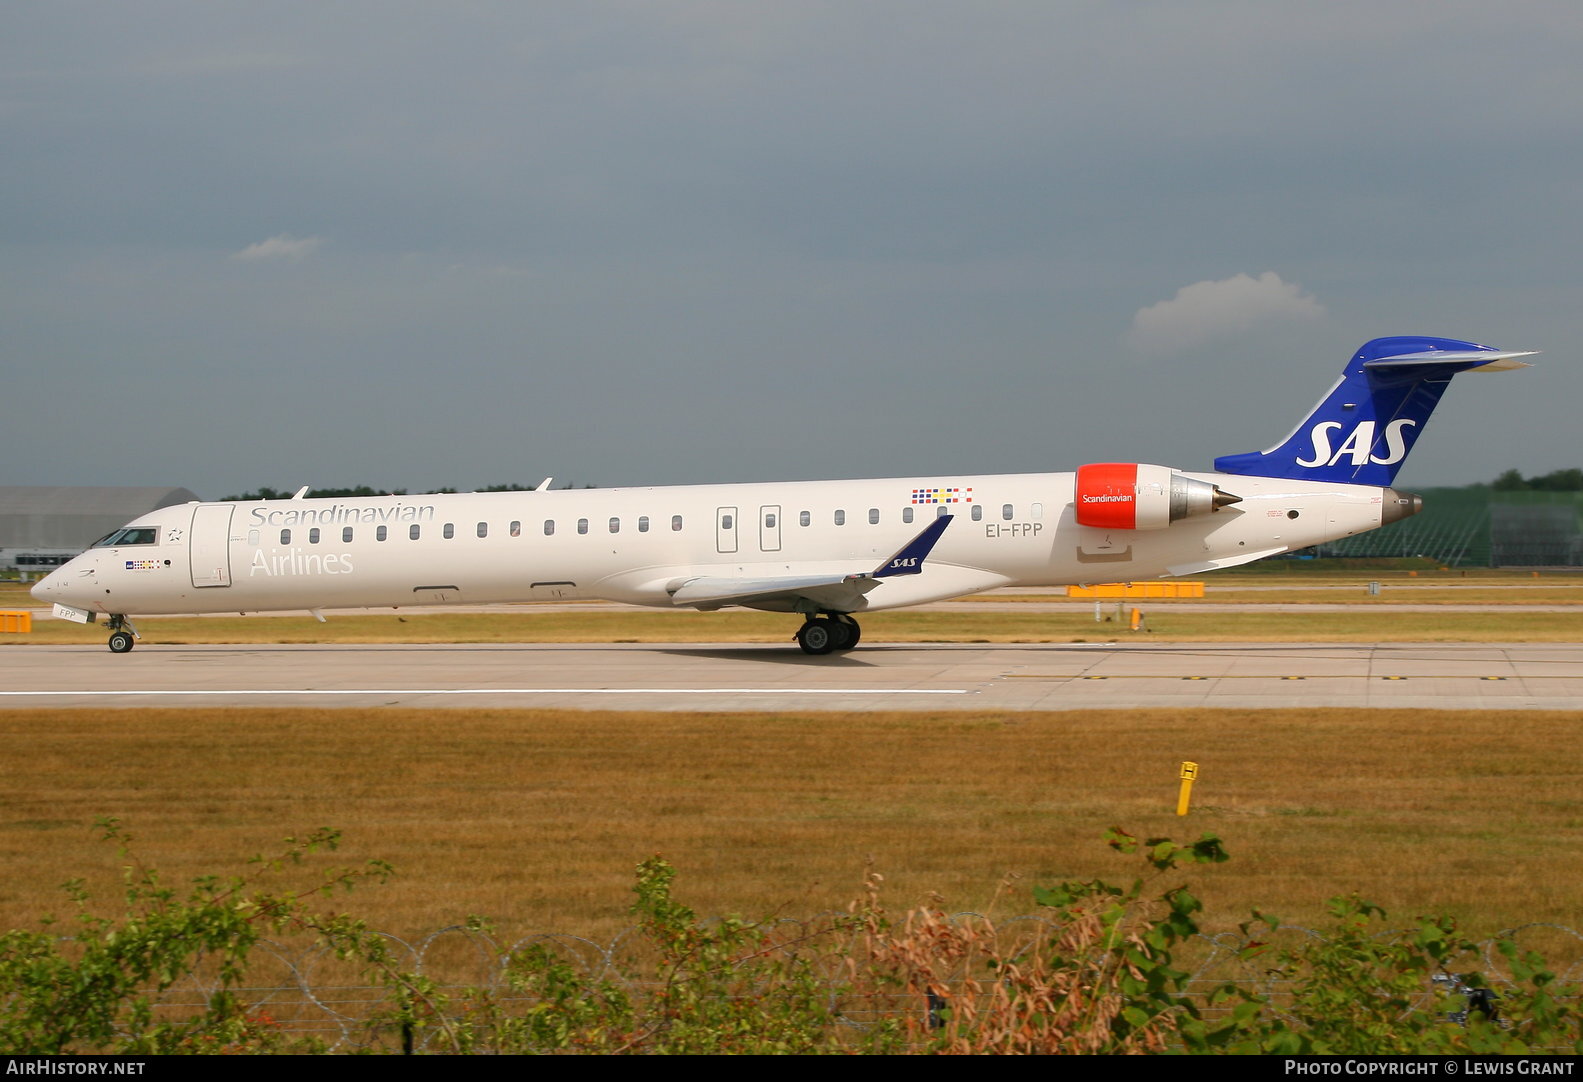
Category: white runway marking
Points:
column 513, row 691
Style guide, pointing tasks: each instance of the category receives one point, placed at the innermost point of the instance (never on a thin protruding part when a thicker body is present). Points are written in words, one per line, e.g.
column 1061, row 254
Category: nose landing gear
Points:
column 122, row 634
column 828, row 633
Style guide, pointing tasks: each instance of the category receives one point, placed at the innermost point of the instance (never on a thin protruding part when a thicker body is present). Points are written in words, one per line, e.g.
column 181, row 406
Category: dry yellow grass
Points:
column 536, row 818
column 1165, row 623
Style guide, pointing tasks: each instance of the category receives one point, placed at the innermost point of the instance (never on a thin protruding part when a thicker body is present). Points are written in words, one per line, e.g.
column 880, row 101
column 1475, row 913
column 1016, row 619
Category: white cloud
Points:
column 1205, row 311
column 284, row 246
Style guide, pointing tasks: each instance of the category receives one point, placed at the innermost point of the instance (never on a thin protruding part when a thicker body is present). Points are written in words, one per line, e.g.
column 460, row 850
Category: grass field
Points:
column 1356, row 624
column 535, row 819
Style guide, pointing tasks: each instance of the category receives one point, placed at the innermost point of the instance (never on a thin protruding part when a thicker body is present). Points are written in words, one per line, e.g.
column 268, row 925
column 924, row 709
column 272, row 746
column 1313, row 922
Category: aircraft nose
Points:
column 47, row 589
column 56, row 587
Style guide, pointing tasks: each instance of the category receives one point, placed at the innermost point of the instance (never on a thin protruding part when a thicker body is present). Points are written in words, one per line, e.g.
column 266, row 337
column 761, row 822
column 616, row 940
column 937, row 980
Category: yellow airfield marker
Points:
column 1188, row 774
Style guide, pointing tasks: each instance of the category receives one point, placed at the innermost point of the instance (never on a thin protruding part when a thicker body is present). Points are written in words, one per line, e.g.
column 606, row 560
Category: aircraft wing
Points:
column 832, row 593
column 838, row 594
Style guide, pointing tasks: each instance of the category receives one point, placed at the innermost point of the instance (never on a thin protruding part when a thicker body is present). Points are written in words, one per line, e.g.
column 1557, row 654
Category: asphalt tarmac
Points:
column 875, row 676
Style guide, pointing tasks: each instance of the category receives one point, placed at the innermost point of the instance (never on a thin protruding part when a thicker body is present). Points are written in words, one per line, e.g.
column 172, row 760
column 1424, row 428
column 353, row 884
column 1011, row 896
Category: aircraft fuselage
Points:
column 636, row 545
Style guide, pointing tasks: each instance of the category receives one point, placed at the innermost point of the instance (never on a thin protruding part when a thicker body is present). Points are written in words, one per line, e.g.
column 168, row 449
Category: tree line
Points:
column 266, row 493
column 1570, row 480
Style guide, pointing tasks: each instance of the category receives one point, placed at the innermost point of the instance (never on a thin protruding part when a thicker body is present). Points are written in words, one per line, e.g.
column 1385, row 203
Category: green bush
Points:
column 1098, row 975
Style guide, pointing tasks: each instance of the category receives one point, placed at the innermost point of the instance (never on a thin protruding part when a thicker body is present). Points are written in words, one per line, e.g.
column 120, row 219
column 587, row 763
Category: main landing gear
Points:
column 122, row 634
column 828, row 633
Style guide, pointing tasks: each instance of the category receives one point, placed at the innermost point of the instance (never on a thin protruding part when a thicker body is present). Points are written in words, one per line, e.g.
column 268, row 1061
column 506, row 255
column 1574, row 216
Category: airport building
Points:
column 42, row 527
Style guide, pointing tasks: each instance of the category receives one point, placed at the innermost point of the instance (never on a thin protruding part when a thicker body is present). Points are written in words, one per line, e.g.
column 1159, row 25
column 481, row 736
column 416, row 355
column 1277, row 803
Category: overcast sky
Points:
column 412, row 245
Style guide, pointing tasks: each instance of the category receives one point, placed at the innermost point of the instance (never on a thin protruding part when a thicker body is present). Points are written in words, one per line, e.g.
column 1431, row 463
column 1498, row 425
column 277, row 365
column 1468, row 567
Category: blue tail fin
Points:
column 1361, row 431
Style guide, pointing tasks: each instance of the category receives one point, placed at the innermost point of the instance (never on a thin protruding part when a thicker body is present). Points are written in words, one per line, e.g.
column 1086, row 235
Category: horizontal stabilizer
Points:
column 1487, row 360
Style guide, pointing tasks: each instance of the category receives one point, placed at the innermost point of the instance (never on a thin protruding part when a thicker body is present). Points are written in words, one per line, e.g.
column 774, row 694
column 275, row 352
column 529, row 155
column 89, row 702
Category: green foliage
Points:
column 728, row 986
column 100, row 988
column 723, row 987
column 1100, row 976
column 1566, row 480
column 1359, row 989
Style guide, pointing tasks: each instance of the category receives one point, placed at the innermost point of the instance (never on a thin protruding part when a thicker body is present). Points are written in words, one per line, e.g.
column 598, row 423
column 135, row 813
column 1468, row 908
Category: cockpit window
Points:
column 132, row 535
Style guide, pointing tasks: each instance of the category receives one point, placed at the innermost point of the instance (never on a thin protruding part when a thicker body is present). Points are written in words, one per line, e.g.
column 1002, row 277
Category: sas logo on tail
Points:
column 1357, row 444
column 904, row 562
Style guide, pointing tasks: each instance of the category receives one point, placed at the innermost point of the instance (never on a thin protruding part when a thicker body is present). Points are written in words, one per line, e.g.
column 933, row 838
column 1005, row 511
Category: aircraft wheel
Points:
column 854, row 633
column 840, row 634
column 121, row 642
column 815, row 638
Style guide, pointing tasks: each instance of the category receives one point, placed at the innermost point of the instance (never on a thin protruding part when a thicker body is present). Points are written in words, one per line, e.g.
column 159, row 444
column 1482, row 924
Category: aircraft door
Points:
column 725, row 529
column 210, row 544
column 770, row 528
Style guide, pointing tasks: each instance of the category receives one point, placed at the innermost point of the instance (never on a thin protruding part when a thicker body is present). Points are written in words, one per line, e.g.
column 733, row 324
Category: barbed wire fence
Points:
column 307, row 992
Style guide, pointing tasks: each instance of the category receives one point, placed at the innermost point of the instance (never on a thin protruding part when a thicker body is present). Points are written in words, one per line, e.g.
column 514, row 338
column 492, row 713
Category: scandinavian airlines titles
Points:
column 339, row 513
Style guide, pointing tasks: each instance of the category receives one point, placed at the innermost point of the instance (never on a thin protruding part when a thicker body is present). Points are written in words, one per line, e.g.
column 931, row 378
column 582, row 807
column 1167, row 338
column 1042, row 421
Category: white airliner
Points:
column 826, row 550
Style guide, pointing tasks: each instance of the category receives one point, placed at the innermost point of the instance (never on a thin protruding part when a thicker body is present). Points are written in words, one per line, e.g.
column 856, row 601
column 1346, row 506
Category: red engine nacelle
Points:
column 1137, row 496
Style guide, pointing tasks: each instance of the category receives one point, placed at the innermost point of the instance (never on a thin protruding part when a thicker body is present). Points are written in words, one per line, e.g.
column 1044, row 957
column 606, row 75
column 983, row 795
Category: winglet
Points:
column 909, row 561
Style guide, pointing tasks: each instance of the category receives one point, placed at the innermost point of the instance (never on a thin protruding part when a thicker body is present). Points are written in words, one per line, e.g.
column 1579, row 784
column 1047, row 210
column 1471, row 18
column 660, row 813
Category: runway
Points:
column 878, row 676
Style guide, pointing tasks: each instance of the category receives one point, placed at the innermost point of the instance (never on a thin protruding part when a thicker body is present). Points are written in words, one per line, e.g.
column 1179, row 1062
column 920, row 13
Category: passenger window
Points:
column 769, row 521
column 516, row 528
column 676, row 522
column 873, row 516
column 380, row 533
column 313, row 536
column 285, row 537
column 615, row 525
column 906, row 514
column 1005, row 511
column 643, row 524
column 449, row 531
column 413, row 533
column 582, row 525
column 941, row 511
column 346, row 534
column 252, row 538
column 1038, row 511
column 483, row 529
column 803, row 518
column 978, row 512
column 725, row 522
column 840, row 518
column 549, row 527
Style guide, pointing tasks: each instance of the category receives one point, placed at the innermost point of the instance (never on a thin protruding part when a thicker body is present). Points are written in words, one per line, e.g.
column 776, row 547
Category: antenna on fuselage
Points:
column 300, row 493
column 544, row 485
